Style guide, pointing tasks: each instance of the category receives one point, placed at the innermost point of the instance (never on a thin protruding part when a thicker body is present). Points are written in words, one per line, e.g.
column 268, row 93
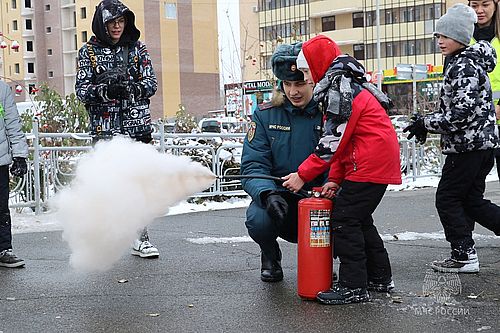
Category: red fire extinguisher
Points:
column 315, row 260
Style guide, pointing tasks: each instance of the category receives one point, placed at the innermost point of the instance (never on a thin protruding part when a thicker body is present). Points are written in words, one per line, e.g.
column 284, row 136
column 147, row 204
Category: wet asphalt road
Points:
column 216, row 287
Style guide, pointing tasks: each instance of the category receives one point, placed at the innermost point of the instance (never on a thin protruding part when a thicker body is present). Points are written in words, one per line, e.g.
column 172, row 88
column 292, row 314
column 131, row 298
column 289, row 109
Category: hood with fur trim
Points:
column 108, row 10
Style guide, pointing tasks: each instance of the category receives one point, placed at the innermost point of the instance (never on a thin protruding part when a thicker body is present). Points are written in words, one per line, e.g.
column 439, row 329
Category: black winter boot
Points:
column 271, row 270
column 343, row 295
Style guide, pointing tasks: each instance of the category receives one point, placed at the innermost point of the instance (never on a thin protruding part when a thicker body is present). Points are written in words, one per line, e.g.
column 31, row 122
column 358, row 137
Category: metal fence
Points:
column 52, row 164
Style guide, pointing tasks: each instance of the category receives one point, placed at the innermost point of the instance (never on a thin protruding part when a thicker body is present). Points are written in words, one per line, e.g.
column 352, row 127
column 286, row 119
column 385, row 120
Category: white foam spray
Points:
column 119, row 188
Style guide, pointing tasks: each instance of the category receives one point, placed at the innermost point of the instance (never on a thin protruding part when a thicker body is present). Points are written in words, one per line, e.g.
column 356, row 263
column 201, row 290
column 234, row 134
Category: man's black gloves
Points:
column 417, row 129
column 19, row 167
column 276, row 207
column 116, row 90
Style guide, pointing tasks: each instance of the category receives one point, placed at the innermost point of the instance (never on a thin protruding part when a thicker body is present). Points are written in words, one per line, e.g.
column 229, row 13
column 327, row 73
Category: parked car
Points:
column 223, row 125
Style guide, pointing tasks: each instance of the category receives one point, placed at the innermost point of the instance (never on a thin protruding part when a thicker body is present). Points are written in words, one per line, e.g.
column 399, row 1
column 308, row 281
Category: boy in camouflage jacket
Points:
column 466, row 122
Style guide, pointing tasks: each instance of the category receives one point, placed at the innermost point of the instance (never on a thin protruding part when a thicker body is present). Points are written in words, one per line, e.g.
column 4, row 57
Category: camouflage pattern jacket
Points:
column 466, row 119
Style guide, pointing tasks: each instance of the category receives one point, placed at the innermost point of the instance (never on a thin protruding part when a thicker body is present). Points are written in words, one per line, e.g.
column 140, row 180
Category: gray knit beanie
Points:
column 457, row 23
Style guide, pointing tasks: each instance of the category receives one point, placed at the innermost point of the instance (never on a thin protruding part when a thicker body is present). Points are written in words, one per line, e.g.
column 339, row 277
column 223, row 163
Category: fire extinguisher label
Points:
column 320, row 228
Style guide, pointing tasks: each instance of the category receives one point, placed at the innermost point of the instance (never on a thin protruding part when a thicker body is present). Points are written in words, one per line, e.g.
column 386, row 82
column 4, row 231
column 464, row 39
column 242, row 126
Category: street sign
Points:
column 405, row 72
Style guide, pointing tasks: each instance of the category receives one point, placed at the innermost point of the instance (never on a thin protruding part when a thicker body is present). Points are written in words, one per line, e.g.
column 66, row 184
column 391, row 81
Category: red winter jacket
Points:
column 368, row 150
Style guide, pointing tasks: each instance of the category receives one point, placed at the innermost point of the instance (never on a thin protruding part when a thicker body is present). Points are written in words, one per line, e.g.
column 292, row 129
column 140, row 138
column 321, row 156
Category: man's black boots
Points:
column 271, row 267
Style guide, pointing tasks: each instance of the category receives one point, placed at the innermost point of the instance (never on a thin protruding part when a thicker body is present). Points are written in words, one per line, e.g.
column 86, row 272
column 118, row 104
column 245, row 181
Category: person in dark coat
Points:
column 281, row 135
column 115, row 80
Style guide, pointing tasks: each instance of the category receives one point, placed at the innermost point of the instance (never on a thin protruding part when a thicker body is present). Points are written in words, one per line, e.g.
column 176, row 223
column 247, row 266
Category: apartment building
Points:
column 266, row 23
column 404, row 35
column 17, row 46
column 181, row 38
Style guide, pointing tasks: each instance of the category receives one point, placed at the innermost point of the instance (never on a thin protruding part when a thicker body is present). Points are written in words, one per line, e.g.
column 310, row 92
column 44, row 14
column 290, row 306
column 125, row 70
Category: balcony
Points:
column 67, row 3
column 27, row 12
column 346, row 36
column 334, row 7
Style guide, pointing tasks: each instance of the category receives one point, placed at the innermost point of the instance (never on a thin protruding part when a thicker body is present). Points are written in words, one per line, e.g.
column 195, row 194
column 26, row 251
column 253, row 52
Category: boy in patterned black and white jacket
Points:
column 466, row 122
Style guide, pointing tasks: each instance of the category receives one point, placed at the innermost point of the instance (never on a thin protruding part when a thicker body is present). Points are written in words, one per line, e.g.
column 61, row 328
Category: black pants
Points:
column 356, row 240
column 263, row 230
column 460, row 197
column 497, row 158
column 5, row 226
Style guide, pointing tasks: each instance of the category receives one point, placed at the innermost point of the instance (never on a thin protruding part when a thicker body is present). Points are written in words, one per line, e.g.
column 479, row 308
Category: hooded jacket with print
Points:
column 358, row 142
column 466, row 117
column 100, row 57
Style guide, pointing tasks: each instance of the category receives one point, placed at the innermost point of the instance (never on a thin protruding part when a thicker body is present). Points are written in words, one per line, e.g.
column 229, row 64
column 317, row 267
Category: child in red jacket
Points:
column 360, row 146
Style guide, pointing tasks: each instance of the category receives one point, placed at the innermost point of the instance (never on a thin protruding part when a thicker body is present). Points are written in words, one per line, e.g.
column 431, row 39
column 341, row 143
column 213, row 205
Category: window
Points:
column 51, row 74
column 328, row 23
column 359, row 51
column 29, row 24
column 407, row 14
column 32, row 89
column 49, row 52
column 27, row 3
column 357, row 20
column 47, row 8
column 391, row 49
column 83, row 12
column 14, row 25
column 13, row 4
column 433, row 11
column 408, row 48
column 17, row 68
column 84, row 36
column 31, row 68
column 431, row 45
column 371, row 18
column 29, row 46
column 48, row 30
column 171, row 11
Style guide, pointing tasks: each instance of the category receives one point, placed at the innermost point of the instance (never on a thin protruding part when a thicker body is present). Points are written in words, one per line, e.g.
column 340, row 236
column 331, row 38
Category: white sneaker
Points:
column 144, row 249
column 452, row 265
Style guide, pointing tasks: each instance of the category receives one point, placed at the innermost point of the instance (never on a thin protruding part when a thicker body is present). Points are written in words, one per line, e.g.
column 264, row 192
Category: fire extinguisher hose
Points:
column 301, row 192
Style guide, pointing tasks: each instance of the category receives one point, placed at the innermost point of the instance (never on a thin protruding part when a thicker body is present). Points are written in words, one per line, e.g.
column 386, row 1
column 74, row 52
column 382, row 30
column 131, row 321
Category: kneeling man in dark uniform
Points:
column 282, row 134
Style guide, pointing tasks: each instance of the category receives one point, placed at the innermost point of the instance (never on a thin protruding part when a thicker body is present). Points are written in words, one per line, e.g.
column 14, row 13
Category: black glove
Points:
column 276, row 207
column 117, row 90
column 135, row 90
column 19, row 167
column 417, row 129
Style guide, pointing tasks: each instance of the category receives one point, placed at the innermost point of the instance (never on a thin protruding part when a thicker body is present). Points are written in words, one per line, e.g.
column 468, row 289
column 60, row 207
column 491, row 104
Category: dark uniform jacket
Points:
column 100, row 58
column 279, row 139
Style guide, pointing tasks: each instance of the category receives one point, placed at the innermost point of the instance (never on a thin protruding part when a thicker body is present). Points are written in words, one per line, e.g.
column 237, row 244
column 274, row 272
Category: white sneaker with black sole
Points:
column 144, row 249
column 452, row 265
column 10, row 260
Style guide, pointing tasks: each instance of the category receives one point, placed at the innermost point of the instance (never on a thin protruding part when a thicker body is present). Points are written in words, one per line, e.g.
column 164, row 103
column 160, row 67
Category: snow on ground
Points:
column 26, row 221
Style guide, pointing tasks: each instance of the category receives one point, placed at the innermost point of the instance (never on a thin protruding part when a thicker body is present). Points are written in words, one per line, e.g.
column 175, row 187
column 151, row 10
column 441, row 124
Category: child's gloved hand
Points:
column 417, row 129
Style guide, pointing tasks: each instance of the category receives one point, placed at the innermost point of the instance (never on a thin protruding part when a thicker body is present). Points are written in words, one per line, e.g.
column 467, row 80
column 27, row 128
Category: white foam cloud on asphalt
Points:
column 119, row 188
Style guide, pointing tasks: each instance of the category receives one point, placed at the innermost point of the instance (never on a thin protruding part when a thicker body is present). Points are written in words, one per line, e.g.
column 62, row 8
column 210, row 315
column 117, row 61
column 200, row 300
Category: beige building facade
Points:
column 181, row 38
column 405, row 31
